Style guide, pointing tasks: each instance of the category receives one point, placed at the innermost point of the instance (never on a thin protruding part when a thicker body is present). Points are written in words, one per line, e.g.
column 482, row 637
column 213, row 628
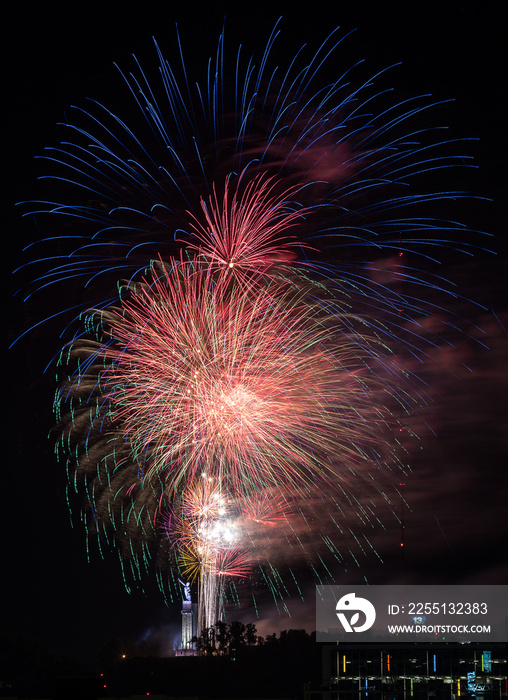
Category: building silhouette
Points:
column 189, row 623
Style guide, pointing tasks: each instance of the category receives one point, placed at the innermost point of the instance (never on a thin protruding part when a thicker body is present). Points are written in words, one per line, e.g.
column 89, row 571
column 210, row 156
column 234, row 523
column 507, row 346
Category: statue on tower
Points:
column 186, row 590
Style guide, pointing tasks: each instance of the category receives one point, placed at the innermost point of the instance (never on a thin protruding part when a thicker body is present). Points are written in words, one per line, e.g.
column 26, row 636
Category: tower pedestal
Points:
column 189, row 625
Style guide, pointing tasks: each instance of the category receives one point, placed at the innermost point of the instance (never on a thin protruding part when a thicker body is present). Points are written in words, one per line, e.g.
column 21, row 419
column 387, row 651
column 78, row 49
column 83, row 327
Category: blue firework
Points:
column 361, row 165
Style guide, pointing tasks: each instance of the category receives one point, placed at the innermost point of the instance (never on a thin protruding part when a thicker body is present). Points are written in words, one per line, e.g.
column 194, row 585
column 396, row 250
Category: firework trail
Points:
column 205, row 531
column 264, row 229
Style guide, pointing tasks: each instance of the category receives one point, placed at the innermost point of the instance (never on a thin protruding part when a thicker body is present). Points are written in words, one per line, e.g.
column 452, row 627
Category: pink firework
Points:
column 246, row 232
column 267, row 508
column 260, row 390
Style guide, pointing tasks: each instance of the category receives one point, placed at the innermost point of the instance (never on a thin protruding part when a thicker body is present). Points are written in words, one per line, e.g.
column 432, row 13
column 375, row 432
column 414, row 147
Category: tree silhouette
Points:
column 225, row 639
column 222, row 637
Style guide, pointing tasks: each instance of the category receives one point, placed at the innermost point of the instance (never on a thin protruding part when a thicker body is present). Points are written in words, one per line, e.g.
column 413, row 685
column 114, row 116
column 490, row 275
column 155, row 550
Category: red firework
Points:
column 247, row 232
column 205, row 375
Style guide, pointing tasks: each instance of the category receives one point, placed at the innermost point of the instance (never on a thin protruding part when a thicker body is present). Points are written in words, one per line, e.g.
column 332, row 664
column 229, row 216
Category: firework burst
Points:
column 243, row 384
column 256, row 221
column 244, row 235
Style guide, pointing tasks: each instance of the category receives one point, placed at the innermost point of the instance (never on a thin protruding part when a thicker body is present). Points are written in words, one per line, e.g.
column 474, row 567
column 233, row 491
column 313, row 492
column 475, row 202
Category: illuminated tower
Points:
column 189, row 626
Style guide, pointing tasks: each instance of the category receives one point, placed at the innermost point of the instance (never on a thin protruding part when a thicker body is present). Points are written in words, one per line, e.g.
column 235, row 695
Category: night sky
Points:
column 456, row 528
